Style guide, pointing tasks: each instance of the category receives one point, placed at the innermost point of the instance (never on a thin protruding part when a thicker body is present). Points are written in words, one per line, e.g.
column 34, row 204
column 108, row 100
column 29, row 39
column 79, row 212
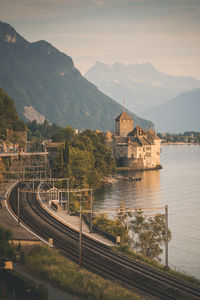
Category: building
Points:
column 135, row 148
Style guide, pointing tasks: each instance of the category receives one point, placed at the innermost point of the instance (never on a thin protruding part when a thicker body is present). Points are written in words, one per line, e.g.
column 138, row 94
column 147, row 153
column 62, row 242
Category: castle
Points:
column 135, row 148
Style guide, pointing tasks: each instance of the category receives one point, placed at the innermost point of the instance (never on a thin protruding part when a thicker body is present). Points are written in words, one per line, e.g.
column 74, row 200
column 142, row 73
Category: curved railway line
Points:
column 98, row 257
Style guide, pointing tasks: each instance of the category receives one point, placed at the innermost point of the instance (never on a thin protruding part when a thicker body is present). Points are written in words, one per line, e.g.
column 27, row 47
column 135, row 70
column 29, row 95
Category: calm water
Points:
column 178, row 186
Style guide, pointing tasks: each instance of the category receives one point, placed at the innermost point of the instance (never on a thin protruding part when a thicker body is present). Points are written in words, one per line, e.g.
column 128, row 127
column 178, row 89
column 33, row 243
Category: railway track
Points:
column 100, row 258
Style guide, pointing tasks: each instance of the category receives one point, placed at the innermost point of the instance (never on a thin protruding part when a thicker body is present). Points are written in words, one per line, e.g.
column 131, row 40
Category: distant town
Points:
column 188, row 137
column 22, row 143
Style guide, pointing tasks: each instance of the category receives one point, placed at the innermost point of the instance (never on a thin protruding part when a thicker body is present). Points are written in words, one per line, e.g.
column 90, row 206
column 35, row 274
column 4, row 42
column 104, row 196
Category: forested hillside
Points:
column 43, row 81
column 9, row 118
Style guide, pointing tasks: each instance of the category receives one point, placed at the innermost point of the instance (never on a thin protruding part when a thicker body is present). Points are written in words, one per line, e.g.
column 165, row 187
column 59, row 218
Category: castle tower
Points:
column 123, row 124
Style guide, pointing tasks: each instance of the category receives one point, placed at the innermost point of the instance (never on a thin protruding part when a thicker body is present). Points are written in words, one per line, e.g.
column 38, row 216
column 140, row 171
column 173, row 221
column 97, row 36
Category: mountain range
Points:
column 171, row 102
column 141, row 86
column 44, row 84
column 178, row 115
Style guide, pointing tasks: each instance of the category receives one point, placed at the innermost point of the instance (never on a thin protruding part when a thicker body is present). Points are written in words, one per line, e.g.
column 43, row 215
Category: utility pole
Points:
column 80, row 237
column 18, row 206
column 68, row 196
column 91, row 204
column 166, row 237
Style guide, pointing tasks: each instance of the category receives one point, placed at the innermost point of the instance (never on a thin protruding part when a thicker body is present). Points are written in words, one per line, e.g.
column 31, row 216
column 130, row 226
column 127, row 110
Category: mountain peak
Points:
column 9, row 35
column 140, row 84
column 41, row 79
column 148, row 66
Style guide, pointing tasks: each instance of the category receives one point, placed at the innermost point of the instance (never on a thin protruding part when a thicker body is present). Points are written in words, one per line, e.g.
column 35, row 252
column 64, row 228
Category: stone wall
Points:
column 123, row 127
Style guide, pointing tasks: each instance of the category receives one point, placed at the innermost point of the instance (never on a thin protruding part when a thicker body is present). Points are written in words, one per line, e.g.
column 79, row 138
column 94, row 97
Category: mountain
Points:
column 178, row 115
column 141, row 85
column 8, row 115
column 45, row 84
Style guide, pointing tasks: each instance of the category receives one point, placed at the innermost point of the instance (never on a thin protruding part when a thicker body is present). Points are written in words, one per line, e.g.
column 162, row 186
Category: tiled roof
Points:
column 139, row 141
column 123, row 116
column 136, row 131
column 143, row 141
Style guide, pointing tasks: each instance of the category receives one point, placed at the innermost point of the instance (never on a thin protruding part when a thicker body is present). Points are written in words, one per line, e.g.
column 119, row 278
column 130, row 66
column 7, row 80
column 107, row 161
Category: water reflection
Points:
column 176, row 185
column 144, row 193
column 148, row 190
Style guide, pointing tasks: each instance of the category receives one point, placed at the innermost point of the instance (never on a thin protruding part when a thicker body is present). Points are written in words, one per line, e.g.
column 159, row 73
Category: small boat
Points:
column 130, row 178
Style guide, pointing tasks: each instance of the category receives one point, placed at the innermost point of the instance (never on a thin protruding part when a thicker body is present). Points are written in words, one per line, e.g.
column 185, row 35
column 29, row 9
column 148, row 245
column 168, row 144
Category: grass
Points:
column 62, row 273
column 128, row 252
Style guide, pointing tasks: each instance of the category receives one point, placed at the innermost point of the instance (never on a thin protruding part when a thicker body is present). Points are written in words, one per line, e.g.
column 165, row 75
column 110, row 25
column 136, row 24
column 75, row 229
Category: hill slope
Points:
column 179, row 114
column 42, row 79
column 141, row 85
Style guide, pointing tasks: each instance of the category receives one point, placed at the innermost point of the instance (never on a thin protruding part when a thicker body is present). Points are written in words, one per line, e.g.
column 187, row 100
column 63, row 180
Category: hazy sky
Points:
column 163, row 32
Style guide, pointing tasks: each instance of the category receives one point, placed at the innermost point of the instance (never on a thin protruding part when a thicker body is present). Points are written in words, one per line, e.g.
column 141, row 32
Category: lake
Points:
column 176, row 185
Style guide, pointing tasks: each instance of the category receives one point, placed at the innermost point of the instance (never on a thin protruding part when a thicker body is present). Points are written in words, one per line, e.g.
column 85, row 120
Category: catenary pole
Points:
column 68, row 196
column 80, row 237
column 166, row 236
column 91, row 204
column 18, row 205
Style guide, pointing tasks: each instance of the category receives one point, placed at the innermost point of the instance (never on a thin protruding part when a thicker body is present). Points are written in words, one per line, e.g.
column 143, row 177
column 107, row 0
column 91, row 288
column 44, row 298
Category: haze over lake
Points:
column 176, row 185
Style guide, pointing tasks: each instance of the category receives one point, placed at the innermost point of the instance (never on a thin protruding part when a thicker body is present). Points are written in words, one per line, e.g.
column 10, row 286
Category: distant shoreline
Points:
column 180, row 143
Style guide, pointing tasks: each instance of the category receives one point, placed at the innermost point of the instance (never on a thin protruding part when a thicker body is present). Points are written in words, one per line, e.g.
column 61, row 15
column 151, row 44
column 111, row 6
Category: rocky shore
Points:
column 110, row 180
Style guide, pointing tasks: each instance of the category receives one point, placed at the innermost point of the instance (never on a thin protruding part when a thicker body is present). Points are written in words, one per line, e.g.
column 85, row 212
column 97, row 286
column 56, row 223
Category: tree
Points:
column 121, row 224
column 9, row 118
column 6, row 249
column 149, row 235
column 118, row 226
column 63, row 134
column 43, row 131
column 103, row 222
column 83, row 157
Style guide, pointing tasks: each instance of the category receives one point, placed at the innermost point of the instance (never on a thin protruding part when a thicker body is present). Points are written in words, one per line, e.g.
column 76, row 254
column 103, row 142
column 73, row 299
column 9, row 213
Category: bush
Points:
column 64, row 274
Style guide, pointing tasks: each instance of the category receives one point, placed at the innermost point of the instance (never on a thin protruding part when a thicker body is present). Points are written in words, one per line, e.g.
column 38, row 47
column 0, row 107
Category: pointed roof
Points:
column 123, row 116
column 137, row 131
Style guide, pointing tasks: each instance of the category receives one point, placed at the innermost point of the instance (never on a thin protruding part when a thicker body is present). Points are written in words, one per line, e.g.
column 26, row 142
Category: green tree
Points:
column 9, row 118
column 6, row 249
column 118, row 226
column 149, row 235
column 103, row 222
column 63, row 134
column 122, row 225
column 44, row 131
column 83, row 157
